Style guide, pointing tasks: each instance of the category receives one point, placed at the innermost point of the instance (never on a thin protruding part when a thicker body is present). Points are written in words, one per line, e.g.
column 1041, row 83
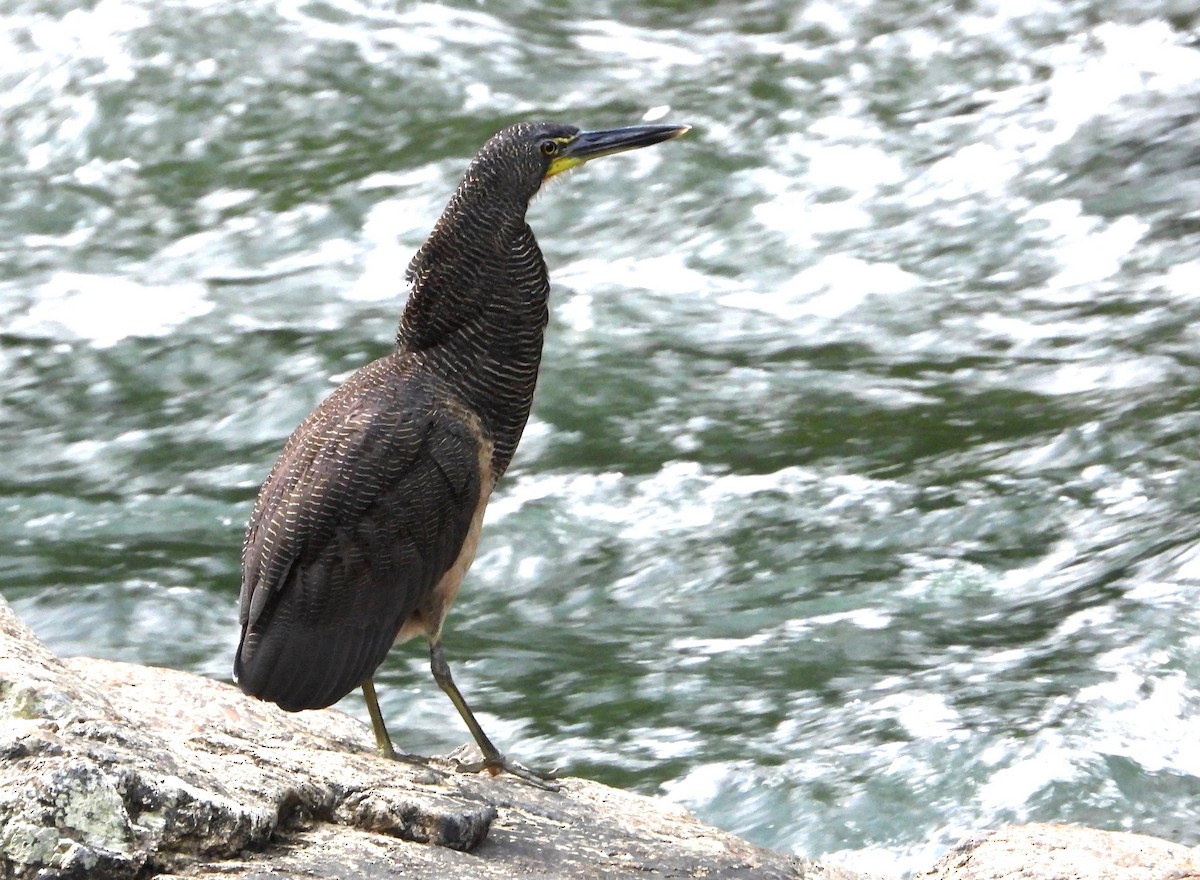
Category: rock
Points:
column 112, row 770
column 1064, row 852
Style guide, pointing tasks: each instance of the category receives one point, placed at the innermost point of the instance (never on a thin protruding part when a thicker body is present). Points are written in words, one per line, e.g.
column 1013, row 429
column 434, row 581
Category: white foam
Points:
column 701, row 784
column 826, row 15
column 105, row 309
column 856, row 167
column 833, row 287
column 376, row 32
column 665, row 274
column 713, row 646
column 1011, row 789
column 1183, row 280
column 975, row 170
column 1135, row 60
column 1094, row 250
column 389, row 230
column 1145, row 712
column 864, row 618
column 637, row 46
column 922, row 715
column 803, row 220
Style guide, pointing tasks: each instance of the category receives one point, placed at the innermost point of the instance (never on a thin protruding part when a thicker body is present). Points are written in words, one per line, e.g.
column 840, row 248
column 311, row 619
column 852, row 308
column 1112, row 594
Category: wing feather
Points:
column 366, row 508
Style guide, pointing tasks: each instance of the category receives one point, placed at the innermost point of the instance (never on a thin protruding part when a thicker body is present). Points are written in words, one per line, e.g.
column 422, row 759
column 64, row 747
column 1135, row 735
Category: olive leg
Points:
column 383, row 742
column 493, row 760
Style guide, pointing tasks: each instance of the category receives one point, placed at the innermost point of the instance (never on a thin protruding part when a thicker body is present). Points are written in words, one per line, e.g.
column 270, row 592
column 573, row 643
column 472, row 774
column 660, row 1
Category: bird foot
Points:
column 385, row 749
column 498, row 763
column 406, row 758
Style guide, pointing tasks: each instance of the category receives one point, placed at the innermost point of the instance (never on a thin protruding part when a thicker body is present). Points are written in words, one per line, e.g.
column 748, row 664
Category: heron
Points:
column 363, row 530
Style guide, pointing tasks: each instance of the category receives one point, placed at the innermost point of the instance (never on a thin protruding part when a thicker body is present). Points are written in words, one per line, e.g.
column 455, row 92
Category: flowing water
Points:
column 857, row 510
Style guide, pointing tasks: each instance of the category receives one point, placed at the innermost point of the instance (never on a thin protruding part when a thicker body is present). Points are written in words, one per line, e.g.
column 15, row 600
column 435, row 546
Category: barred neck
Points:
column 478, row 309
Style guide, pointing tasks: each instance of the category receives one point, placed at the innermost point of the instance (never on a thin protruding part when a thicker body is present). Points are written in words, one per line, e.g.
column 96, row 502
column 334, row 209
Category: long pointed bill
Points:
column 593, row 144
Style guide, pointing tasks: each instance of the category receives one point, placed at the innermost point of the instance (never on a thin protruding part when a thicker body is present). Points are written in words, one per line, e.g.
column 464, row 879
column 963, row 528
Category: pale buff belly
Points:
column 428, row 617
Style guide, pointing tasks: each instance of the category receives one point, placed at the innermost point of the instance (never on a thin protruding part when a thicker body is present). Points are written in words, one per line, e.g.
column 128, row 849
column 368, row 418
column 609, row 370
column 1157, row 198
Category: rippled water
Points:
column 856, row 511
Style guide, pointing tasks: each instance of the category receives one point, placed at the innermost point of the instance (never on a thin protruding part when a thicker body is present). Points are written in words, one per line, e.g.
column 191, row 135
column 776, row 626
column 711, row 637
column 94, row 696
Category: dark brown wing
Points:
column 366, row 508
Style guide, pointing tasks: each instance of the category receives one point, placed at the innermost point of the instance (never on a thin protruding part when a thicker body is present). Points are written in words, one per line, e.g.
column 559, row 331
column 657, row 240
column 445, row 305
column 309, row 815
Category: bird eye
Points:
column 549, row 148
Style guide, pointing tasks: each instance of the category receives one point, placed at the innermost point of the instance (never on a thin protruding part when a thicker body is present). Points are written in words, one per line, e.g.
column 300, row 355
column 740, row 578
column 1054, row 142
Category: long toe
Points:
column 406, row 758
column 537, row 778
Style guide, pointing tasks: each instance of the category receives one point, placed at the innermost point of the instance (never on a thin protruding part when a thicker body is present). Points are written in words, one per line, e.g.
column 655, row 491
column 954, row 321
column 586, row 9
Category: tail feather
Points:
column 306, row 670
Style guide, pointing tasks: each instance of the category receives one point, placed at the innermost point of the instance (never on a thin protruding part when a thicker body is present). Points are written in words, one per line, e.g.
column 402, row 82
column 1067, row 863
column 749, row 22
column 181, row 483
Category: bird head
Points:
column 537, row 151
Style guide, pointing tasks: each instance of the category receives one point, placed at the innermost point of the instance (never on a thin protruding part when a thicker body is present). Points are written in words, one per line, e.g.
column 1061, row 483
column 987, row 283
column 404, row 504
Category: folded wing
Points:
column 365, row 510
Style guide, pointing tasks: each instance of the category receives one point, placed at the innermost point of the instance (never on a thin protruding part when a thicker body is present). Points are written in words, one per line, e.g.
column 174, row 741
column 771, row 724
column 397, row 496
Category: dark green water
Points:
column 857, row 509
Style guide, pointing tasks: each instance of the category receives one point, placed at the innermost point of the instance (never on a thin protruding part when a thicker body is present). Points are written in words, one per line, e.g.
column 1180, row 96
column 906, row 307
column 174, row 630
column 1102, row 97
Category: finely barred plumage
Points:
column 365, row 510
column 369, row 518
